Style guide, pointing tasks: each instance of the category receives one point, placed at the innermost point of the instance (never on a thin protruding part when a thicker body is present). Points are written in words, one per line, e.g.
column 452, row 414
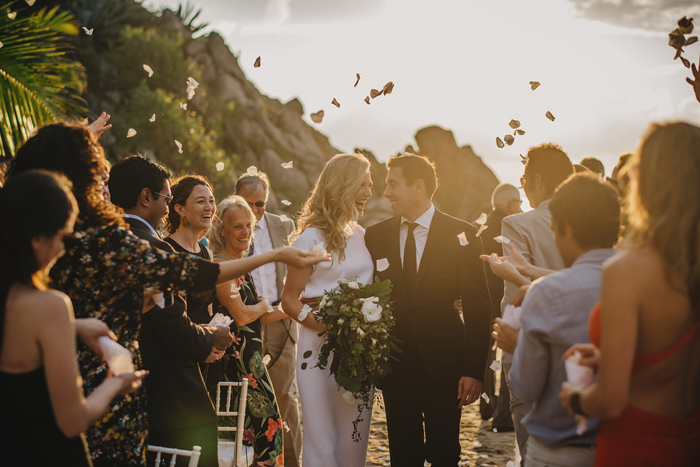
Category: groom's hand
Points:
column 468, row 391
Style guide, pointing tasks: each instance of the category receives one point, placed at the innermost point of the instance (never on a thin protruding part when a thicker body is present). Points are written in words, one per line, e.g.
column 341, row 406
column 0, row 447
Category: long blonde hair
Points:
column 331, row 206
column 663, row 202
column 216, row 240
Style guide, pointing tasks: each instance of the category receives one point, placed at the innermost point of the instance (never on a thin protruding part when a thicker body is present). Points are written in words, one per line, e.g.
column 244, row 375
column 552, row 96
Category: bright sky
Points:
column 465, row 65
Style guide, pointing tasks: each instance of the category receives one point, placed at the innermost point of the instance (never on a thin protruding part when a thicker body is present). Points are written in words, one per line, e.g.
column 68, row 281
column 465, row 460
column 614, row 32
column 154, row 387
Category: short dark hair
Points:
column 594, row 165
column 129, row 176
column 590, row 207
column 182, row 189
column 413, row 168
column 550, row 162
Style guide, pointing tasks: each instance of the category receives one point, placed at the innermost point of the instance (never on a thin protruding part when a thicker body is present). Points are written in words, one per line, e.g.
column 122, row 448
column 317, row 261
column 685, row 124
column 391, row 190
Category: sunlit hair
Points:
column 181, row 190
column 331, row 206
column 216, row 240
column 551, row 163
column 663, row 201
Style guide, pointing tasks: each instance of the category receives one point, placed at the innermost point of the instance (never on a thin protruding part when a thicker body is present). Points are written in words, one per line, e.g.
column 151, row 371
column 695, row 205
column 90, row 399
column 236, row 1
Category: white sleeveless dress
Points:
column 327, row 417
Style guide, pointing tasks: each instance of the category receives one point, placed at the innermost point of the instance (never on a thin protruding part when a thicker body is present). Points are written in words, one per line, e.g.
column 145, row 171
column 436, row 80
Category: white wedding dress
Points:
column 327, row 417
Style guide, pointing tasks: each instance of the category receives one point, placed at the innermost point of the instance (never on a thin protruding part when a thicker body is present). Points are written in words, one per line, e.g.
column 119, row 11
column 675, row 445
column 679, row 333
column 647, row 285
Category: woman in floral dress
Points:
column 104, row 271
column 230, row 238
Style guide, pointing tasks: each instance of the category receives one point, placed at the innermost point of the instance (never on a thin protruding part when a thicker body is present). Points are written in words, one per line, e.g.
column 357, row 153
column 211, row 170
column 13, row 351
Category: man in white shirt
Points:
column 279, row 337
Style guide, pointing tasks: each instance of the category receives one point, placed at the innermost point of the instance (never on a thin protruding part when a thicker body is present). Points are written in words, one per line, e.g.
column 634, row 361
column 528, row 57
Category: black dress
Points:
column 29, row 433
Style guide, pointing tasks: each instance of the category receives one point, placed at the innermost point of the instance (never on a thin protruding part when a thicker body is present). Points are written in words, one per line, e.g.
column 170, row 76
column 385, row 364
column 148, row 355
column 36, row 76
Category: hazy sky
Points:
column 605, row 67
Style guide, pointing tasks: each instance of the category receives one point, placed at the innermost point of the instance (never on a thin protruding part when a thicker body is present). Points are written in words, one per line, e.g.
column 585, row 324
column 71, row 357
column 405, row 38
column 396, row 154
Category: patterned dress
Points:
column 104, row 272
column 263, row 424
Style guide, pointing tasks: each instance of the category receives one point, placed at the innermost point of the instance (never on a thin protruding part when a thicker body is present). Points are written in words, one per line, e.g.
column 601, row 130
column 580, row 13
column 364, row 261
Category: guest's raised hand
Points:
column 222, row 337
column 590, row 354
column 504, row 270
column 516, row 259
column 468, row 391
column 695, row 83
column 299, row 259
column 91, row 329
column 100, row 125
column 215, row 355
column 505, row 336
column 128, row 382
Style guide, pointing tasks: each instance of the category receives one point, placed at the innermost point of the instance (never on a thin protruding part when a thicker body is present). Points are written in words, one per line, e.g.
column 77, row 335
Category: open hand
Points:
column 99, row 126
column 129, row 382
column 468, row 391
column 299, row 259
column 505, row 336
column 89, row 330
column 504, row 269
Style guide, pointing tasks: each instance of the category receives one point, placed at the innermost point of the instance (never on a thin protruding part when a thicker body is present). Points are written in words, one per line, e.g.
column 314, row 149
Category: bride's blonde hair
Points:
column 331, row 206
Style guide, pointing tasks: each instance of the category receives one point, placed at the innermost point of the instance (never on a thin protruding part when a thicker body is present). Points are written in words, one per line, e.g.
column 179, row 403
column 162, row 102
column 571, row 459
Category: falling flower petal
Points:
column 495, row 365
column 179, row 146
column 288, row 165
column 192, row 84
column 12, row 15
column 252, row 171
column 509, row 139
column 284, row 218
column 148, row 69
column 482, row 219
column 318, row 250
column 549, row 115
column 153, row 118
column 335, row 103
column 691, row 40
column 219, row 166
column 678, row 53
column 523, row 159
column 130, row 133
column 88, row 31
column 676, row 39
column 685, row 25
column 367, row 100
column 305, row 310
column 481, row 229
column 317, row 117
column 686, row 62
column 514, row 124
column 183, row 106
column 382, row 264
column 503, row 240
column 499, row 143
column 388, row 87
column 374, row 93
column 534, row 85
column 520, row 132
column 487, row 399
column 358, row 80
column 257, row 63
column 286, row 202
column 463, row 239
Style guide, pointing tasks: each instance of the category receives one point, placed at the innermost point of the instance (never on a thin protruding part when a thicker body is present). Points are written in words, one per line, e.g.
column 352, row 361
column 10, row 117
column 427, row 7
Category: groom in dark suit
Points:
column 433, row 260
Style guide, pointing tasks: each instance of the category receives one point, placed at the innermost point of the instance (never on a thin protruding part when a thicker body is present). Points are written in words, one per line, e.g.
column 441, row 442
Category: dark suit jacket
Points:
column 426, row 319
column 171, row 345
column 494, row 221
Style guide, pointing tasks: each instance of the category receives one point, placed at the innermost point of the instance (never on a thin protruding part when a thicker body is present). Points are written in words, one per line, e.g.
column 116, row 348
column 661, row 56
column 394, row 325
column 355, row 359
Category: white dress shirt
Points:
column 420, row 233
column 264, row 277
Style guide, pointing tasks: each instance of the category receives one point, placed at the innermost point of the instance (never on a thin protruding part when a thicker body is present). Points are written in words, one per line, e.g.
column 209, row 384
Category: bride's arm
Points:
column 294, row 285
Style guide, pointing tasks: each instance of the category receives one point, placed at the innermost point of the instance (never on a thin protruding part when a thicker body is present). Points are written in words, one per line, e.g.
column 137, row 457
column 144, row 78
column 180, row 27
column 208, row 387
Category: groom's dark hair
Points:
column 414, row 168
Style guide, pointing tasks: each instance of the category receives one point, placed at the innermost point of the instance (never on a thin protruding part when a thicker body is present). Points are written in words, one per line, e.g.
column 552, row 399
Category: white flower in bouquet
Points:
column 360, row 332
column 354, row 285
column 323, row 302
column 349, row 397
column 371, row 310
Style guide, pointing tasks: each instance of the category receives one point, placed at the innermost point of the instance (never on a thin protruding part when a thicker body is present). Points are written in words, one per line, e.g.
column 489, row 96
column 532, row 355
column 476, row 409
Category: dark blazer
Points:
column 426, row 319
column 494, row 221
column 171, row 347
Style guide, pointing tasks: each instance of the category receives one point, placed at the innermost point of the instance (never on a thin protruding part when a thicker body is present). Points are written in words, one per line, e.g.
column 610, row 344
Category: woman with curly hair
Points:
column 644, row 332
column 104, row 271
column 330, row 217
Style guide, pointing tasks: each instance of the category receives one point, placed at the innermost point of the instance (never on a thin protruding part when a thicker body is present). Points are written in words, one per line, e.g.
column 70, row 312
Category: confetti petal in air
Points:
column 284, row 218
column 131, row 133
column 685, row 61
column 509, row 139
column 382, row 264
column 88, row 31
column 257, row 63
column 192, row 84
column 148, row 69
column 183, row 106
column 503, row 240
column 691, row 40
column 367, row 100
column 317, row 117
column 495, row 365
column 358, row 80
column 12, row 15
column 335, row 103
column 549, row 115
column 219, row 166
column 318, row 250
column 286, row 202
column 481, row 229
column 288, row 165
column 252, row 171
column 519, row 132
column 463, row 239
column 514, row 124
column 179, row 146
column 487, row 399
column 153, row 118
column 235, row 290
column 499, row 143
column 676, row 39
column 534, row 85
column 305, row 310
column 523, row 159
column 685, row 25
column 388, row 87
column 678, row 53
column 482, row 219
column 374, row 93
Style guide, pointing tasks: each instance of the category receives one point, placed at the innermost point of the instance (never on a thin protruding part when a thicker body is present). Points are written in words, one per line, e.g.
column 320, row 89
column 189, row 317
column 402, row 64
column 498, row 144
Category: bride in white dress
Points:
column 330, row 217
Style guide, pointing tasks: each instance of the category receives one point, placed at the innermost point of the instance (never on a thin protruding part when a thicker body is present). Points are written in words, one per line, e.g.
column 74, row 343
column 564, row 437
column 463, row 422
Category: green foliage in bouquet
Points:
column 358, row 320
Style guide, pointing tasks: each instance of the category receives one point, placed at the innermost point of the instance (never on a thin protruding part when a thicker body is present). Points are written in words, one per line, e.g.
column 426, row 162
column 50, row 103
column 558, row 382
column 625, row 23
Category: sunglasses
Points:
column 167, row 197
column 259, row 204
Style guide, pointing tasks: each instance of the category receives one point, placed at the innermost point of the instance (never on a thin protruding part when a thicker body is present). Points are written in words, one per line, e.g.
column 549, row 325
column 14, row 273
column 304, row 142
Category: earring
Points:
column 184, row 222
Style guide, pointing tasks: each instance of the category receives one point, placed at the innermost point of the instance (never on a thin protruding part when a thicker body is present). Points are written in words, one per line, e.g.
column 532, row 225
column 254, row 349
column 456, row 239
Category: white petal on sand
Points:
column 509, row 139
column 549, row 115
column 476, row 443
column 257, row 63
column 286, row 202
column 382, row 264
column 495, row 365
column 148, row 69
column 288, row 165
column 514, row 124
column 305, row 310
column 358, row 80
column 131, row 133
column 481, row 229
column 499, row 143
column 252, row 170
column 318, row 249
column 153, row 118
column 335, row 102
column 502, row 239
column 183, row 106
column 179, row 146
column 487, row 399
column 220, row 166
column 482, row 219
column 534, row 85
column 88, row 31
column 317, row 117
column 463, row 239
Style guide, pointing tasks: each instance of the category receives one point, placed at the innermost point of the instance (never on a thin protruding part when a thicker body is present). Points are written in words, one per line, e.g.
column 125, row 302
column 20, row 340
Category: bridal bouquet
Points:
column 358, row 320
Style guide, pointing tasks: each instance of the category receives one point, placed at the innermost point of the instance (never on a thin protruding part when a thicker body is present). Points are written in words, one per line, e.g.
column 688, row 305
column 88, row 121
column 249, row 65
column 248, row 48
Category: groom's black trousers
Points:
column 411, row 398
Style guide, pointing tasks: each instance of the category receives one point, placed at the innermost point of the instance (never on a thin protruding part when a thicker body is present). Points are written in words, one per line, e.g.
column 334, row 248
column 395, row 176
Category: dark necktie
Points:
column 410, row 268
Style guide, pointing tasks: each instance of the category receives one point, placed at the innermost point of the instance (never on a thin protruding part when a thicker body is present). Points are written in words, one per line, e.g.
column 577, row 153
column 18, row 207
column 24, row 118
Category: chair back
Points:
column 193, row 455
column 224, row 409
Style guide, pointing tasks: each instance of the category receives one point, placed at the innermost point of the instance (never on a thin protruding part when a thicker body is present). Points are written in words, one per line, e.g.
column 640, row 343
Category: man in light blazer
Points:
column 279, row 337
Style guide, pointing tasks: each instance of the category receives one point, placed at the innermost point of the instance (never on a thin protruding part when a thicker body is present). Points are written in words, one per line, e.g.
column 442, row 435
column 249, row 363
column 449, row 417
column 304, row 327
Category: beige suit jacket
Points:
column 279, row 232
